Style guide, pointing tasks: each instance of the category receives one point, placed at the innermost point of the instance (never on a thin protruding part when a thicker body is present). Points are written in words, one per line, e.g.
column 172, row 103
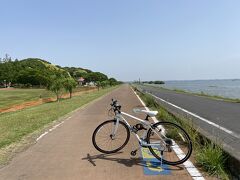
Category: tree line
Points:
column 34, row 72
column 149, row 82
column 154, row 82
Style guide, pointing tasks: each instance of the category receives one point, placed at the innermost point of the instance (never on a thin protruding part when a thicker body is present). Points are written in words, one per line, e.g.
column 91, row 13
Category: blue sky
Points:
column 127, row 39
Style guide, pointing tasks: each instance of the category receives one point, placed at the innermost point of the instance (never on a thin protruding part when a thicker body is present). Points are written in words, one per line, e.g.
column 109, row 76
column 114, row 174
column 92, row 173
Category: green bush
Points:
column 212, row 159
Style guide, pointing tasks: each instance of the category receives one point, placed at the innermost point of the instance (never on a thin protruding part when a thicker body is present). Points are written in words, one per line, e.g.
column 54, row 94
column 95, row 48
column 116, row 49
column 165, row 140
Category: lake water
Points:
column 225, row 88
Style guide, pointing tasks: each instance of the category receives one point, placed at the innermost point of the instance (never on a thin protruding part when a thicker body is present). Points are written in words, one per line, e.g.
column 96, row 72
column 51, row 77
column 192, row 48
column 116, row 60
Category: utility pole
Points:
column 139, row 81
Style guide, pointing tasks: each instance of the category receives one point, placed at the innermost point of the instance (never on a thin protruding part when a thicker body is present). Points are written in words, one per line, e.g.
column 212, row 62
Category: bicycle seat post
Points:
column 147, row 117
column 161, row 157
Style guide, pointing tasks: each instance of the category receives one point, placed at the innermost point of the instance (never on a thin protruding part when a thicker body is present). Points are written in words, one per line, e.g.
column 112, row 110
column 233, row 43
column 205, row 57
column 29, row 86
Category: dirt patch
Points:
column 40, row 101
column 6, row 89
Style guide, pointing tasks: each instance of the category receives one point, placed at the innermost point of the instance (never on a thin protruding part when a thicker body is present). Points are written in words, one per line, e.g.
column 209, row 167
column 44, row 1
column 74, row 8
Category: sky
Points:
column 127, row 39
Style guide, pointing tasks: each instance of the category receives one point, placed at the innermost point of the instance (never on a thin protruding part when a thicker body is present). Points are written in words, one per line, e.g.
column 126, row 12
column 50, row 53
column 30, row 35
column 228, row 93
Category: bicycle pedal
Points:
column 168, row 142
column 134, row 153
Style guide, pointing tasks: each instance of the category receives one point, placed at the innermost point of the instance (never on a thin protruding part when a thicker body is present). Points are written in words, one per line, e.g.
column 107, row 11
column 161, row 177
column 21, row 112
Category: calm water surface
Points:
column 225, row 88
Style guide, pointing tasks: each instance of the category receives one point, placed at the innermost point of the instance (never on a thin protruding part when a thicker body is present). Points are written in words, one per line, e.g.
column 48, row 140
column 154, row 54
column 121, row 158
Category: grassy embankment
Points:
column 200, row 94
column 12, row 97
column 208, row 156
column 17, row 125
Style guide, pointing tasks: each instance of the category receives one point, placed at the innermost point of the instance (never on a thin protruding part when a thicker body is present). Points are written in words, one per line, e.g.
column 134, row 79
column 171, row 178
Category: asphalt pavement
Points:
column 66, row 152
column 217, row 119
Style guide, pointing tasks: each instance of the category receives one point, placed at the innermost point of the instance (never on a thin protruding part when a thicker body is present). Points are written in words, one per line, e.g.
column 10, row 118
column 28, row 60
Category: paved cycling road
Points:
column 224, row 114
column 67, row 152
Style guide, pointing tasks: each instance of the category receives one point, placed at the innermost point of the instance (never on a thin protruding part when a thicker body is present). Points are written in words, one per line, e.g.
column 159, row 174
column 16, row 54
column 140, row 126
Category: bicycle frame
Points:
column 147, row 124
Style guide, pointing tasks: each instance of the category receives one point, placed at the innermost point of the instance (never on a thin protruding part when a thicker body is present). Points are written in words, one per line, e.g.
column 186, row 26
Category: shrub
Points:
column 212, row 159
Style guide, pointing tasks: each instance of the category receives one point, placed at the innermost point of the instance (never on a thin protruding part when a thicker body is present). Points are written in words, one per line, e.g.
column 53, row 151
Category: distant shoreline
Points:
column 235, row 79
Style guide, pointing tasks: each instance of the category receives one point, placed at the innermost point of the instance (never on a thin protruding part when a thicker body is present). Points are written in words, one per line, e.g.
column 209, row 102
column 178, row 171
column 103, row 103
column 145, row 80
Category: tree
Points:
column 31, row 76
column 104, row 83
column 80, row 73
column 35, row 71
column 112, row 82
column 159, row 82
column 7, row 71
column 7, row 58
column 69, row 84
column 56, row 85
column 98, row 84
column 96, row 76
column 101, row 76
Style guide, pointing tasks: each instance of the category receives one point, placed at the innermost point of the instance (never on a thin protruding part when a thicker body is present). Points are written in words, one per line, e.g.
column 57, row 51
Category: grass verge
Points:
column 209, row 156
column 17, row 125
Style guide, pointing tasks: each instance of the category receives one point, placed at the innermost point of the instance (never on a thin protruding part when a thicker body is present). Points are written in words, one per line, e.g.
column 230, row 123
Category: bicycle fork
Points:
column 114, row 128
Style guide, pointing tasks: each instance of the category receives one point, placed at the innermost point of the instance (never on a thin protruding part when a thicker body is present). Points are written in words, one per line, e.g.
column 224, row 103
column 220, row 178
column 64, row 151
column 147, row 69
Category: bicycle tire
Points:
column 96, row 131
column 183, row 135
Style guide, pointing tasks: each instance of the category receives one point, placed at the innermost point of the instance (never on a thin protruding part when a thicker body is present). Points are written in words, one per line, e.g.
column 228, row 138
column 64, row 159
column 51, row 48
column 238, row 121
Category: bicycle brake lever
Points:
column 110, row 112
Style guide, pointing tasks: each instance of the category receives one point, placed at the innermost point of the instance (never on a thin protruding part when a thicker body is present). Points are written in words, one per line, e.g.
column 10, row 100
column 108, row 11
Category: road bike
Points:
column 166, row 141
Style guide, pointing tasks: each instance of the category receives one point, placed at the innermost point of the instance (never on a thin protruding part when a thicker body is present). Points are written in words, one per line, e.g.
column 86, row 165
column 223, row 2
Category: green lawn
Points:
column 18, row 96
column 9, row 98
column 15, row 125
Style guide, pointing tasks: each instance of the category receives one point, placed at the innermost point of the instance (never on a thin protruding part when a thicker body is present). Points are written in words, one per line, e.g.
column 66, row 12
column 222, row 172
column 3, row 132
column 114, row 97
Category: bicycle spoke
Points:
column 105, row 141
column 174, row 139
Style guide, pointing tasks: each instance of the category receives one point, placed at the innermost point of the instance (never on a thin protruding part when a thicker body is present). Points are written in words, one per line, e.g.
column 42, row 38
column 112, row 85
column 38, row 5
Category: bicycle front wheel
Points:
column 104, row 141
column 175, row 141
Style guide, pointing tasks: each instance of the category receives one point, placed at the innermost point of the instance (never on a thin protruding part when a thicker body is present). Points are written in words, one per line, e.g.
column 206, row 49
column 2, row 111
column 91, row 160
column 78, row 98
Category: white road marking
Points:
column 41, row 136
column 54, row 127
column 45, row 133
column 192, row 170
column 199, row 117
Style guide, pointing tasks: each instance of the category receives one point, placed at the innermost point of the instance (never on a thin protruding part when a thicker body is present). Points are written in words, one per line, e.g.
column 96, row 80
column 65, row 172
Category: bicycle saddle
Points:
column 149, row 113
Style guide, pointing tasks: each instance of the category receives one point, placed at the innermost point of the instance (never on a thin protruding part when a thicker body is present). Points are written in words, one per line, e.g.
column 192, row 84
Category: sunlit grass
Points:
column 212, row 159
column 15, row 125
column 18, row 96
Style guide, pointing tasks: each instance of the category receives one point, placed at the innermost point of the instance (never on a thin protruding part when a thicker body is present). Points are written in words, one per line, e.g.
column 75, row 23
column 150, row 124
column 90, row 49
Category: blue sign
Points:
column 152, row 166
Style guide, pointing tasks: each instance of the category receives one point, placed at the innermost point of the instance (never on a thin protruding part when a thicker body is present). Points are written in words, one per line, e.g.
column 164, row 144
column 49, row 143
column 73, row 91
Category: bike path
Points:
column 66, row 152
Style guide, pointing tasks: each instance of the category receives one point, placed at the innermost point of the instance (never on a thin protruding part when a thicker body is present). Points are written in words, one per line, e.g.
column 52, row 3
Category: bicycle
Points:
column 168, row 142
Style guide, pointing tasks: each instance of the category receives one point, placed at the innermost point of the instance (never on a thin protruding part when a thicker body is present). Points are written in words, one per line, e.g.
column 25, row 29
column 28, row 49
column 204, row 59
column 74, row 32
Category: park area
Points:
column 12, row 99
column 11, row 96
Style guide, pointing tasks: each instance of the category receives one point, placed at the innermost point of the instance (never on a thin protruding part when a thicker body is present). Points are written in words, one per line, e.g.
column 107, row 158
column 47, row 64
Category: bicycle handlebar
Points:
column 116, row 106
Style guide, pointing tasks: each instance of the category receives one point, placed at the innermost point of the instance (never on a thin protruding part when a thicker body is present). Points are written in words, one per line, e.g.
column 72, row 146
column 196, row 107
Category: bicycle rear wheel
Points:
column 104, row 141
column 177, row 143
